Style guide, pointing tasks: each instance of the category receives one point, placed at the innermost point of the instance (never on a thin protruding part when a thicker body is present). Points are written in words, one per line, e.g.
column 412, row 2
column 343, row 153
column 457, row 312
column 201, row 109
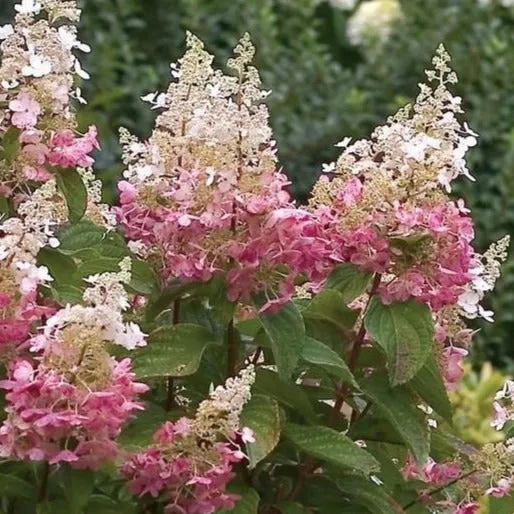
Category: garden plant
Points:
column 208, row 345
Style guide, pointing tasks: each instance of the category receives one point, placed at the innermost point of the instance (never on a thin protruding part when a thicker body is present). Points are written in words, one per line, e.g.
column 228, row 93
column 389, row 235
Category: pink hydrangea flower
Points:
column 433, row 473
column 467, row 508
column 501, row 489
column 192, row 479
column 45, row 409
column 501, row 416
column 68, row 151
column 451, row 364
column 25, row 111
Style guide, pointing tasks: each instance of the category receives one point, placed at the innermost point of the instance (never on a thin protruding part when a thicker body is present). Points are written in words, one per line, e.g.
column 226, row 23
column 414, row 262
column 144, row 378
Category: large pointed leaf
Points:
column 501, row 505
column 79, row 236
column 429, row 384
column 291, row 508
column 100, row 504
column 77, row 485
column 405, row 331
column 74, row 190
column 330, row 306
column 10, row 145
column 349, row 281
column 286, row 332
column 61, row 266
column 262, row 415
column 329, row 445
column 316, row 352
column 368, row 494
column 269, row 383
column 172, row 351
column 399, row 408
column 14, row 486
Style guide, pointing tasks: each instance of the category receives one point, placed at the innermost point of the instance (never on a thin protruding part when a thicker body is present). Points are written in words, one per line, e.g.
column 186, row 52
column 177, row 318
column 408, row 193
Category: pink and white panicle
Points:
column 191, row 461
column 21, row 239
column 36, row 82
column 386, row 209
column 69, row 401
column 204, row 194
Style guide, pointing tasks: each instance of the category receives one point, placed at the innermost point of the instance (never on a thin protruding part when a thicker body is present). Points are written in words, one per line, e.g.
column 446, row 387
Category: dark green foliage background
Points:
column 323, row 89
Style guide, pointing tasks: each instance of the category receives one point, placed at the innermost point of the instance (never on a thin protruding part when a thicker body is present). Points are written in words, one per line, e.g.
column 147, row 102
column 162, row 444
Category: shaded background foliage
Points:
column 323, row 89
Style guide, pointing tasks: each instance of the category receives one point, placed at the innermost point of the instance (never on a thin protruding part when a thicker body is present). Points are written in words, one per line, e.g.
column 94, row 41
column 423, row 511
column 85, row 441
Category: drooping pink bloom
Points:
column 433, row 473
column 451, row 364
column 467, row 508
column 25, row 111
column 501, row 489
column 68, row 151
column 501, row 416
column 439, row 474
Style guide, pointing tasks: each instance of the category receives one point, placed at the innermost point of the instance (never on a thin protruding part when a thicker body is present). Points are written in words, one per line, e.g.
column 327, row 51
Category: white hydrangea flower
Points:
column 37, row 68
column 157, row 100
column 83, row 74
column 6, row 31
column 344, row 5
column 105, row 301
column 233, row 395
column 373, row 21
column 486, row 275
column 68, row 37
column 28, row 7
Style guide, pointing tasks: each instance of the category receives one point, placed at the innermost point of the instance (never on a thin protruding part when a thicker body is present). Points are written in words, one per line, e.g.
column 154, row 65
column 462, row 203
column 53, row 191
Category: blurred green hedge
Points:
column 323, row 88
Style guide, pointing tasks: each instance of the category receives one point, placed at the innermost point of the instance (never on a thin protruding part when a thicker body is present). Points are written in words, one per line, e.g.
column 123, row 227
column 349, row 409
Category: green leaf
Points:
column 80, row 236
column 140, row 431
column 74, row 190
column 318, row 353
column 331, row 446
column 405, row 331
column 286, row 332
column 61, row 267
column 172, row 351
column 429, row 385
column 287, row 393
column 10, row 144
column 13, row 486
column 399, row 408
column 99, row 504
column 5, row 208
column 78, row 486
column 291, row 508
column 143, row 280
column 262, row 415
column 57, row 506
column 66, row 293
column 99, row 265
column 221, row 308
column 501, row 505
column 330, row 306
column 366, row 493
column 248, row 504
column 349, row 281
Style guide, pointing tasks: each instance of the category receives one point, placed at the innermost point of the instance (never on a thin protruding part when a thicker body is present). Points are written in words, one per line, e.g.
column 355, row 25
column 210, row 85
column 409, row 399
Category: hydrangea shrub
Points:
column 208, row 345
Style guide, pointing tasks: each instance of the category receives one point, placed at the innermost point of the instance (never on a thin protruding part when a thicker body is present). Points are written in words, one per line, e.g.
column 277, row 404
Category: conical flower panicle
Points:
column 204, row 194
column 37, row 82
column 192, row 460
